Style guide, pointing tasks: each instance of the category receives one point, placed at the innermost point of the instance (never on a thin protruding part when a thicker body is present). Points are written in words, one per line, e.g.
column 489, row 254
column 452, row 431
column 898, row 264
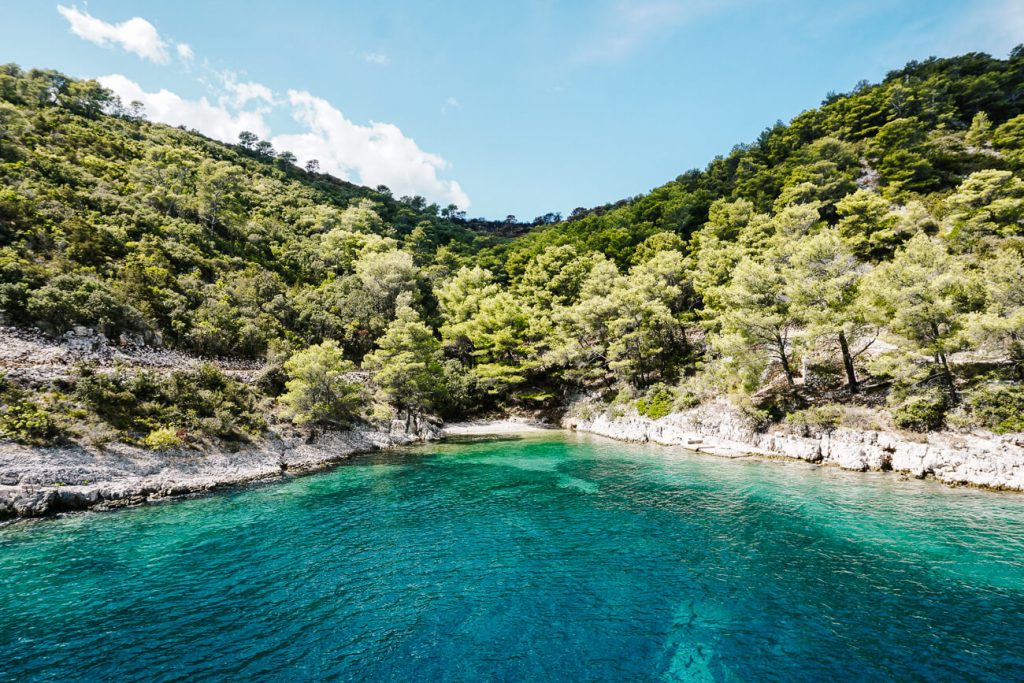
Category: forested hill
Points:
column 864, row 259
column 217, row 249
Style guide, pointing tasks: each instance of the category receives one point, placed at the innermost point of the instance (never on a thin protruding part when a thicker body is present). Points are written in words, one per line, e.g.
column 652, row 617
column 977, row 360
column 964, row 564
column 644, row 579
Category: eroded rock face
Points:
column 985, row 460
column 35, row 482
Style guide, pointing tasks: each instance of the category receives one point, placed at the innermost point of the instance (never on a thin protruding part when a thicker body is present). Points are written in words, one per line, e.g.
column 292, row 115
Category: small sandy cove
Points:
column 483, row 427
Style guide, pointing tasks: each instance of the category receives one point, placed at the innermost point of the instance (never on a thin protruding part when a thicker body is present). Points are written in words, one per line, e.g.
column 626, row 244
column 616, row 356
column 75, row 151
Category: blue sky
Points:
column 502, row 107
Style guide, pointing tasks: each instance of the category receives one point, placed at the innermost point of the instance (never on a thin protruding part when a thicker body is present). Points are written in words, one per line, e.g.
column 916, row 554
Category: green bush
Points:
column 776, row 402
column 26, row 422
column 757, row 418
column 201, row 400
column 685, row 401
column 999, row 407
column 162, row 438
column 656, row 403
column 23, row 418
column 816, row 419
column 920, row 412
column 73, row 299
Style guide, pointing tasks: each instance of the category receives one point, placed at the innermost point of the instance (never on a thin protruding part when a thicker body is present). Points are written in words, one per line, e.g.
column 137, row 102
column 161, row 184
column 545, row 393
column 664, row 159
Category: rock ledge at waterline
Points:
column 983, row 460
column 37, row 481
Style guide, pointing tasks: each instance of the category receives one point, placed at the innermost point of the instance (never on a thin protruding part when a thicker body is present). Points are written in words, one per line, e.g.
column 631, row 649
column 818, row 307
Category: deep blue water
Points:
column 546, row 558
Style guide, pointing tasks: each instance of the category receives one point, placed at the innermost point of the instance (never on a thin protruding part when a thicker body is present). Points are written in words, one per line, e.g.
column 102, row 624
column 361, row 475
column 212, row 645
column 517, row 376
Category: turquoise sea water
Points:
column 543, row 558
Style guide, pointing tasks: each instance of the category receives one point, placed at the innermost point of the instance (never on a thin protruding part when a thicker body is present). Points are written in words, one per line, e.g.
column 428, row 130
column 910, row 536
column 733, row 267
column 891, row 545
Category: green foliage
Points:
column 657, row 402
column 893, row 210
column 999, row 407
column 775, row 402
column 986, row 206
column 77, row 299
column 23, row 417
column 163, row 438
column 320, row 390
column 816, row 420
column 868, row 225
column 407, row 366
column 920, row 411
column 922, row 297
column 110, row 222
column 756, row 318
column 999, row 327
column 201, row 401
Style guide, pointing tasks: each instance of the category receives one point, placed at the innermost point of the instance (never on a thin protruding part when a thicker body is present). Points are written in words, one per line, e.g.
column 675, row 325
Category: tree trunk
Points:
column 1017, row 355
column 851, row 372
column 785, row 363
column 948, row 375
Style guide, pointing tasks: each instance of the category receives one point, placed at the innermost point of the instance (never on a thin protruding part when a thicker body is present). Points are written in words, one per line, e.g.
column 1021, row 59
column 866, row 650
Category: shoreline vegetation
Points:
column 178, row 313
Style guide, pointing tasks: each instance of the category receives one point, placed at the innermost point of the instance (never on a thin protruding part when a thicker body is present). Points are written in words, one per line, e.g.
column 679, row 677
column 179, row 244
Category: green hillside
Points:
column 866, row 255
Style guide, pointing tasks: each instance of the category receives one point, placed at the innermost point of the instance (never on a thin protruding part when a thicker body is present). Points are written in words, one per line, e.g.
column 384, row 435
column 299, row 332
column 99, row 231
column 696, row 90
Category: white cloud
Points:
column 240, row 94
column 136, row 35
column 215, row 120
column 376, row 58
column 377, row 154
column 372, row 155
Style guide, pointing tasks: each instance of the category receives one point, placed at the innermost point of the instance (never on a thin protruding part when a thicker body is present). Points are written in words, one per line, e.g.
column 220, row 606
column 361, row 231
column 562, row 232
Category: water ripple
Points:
column 548, row 558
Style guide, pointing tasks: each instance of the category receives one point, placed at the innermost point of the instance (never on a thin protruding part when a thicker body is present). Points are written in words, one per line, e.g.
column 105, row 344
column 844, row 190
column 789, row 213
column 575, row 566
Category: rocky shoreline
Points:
column 42, row 481
column 35, row 482
column 982, row 460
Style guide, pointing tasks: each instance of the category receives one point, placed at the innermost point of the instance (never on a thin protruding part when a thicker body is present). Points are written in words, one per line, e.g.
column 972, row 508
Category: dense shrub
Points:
column 162, row 438
column 816, row 420
column 921, row 411
column 658, row 402
column 23, row 418
column 319, row 390
column 73, row 299
column 777, row 401
column 686, row 400
column 26, row 422
column 999, row 407
column 203, row 401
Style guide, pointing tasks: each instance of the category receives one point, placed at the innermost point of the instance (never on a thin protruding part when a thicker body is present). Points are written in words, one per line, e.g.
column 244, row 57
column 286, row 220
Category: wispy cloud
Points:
column 378, row 58
column 374, row 154
column 994, row 26
column 450, row 104
column 135, row 35
column 239, row 94
column 628, row 25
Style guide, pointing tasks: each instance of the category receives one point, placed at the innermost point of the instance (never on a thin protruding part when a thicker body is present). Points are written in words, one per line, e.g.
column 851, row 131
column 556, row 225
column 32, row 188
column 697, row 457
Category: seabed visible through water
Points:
column 536, row 557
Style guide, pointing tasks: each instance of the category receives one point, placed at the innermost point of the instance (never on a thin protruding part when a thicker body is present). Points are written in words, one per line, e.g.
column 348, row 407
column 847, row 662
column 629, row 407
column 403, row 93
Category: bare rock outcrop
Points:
column 40, row 481
column 984, row 460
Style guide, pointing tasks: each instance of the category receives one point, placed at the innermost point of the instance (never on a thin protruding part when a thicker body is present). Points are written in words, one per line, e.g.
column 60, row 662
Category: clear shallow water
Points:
column 547, row 558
